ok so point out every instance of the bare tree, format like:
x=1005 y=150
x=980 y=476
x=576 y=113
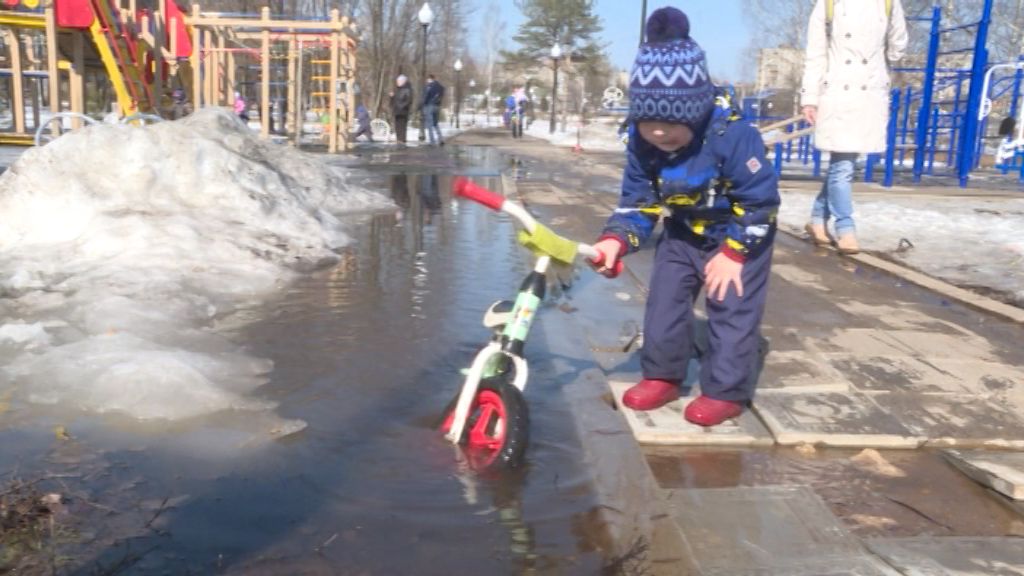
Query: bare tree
x=494 y=33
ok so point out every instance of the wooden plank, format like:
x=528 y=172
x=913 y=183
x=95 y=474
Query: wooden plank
x=322 y=38
x=265 y=76
x=224 y=96
x=18 y=98
x=781 y=124
x=298 y=98
x=51 y=63
x=292 y=88
x=267 y=24
x=77 y=77
x=332 y=106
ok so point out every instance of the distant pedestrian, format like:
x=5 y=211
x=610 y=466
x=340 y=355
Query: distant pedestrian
x=430 y=109
x=845 y=96
x=401 y=106
x=363 y=124
x=240 y=109
x=520 y=112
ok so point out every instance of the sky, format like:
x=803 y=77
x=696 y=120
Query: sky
x=718 y=26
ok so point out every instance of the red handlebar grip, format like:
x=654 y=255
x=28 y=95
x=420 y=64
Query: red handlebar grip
x=462 y=186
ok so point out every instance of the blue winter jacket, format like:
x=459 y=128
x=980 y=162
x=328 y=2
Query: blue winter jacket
x=721 y=187
x=433 y=94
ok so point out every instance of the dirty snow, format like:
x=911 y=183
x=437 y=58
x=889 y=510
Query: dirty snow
x=127 y=252
x=599 y=134
x=968 y=241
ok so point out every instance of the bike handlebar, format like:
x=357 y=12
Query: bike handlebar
x=462 y=186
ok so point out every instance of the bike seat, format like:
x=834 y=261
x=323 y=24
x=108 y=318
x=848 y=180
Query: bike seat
x=498 y=314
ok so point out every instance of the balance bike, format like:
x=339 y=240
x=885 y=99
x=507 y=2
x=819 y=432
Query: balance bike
x=488 y=419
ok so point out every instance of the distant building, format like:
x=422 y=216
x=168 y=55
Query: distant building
x=779 y=68
x=779 y=73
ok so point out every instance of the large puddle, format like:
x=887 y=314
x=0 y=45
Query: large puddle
x=366 y=353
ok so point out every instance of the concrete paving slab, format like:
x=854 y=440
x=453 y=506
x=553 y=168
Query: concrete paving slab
x=952 y=556
x=905 y=374
x=964 y=421
x=849 y=419
x=800 y=370
x=900 y=317
x=666 y=425
x=920 y=343
x=1001 y=471
x=800 y=276
x=770 y=530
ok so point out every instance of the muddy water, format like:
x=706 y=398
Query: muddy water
x=367 y=353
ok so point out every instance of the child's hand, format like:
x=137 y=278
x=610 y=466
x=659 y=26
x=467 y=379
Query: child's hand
x=609 y=265
x=719 y=273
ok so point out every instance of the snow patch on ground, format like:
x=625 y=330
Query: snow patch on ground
x=597 y=135
x=965 y=241
x=123 y=248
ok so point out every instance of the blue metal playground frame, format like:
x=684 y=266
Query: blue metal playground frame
x=949 y=126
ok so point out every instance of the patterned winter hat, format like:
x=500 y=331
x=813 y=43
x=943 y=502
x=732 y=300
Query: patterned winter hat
x=670 y=81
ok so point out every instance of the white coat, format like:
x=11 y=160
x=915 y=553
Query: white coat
x=847 y=78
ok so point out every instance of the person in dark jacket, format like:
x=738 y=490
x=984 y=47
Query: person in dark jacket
x=704 y=169
x=401 y=107
x=433 y=95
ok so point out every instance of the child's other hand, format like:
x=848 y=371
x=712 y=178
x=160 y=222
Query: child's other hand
x=609 y=266
x=719 y=273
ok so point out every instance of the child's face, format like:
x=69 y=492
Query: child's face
x=667 y=137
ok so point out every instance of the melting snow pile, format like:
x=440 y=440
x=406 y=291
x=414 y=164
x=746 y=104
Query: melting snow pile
x=967 y=241
x=121 y=249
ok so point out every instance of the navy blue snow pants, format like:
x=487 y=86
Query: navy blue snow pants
x=733 y=325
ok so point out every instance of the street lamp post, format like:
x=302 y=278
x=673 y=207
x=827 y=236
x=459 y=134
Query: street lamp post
x=487 y=106
x=426 y=16
x=472 y=93
x=556 y=53
x=458 y=91
x=643 y=21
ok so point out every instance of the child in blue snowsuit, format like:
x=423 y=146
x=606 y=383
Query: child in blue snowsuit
x=703 y=168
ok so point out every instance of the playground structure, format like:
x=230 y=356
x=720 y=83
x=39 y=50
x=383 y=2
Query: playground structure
x=160 y=61
x=281 y=52
x=938 y=125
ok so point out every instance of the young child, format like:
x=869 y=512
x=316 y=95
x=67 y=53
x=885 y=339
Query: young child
x=703 y=168
x=363 y=124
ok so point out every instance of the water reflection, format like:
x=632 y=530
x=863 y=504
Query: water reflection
x=363 y=352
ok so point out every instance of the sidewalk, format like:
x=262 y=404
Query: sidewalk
x=866 y=377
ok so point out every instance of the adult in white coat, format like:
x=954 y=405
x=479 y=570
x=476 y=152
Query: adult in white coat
x=845 y=95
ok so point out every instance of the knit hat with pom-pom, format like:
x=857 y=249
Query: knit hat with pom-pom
x=670 y=81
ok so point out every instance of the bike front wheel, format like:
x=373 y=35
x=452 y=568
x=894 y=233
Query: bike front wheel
x=497 y=427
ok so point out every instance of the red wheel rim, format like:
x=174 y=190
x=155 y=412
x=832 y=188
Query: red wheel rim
x=488 y=430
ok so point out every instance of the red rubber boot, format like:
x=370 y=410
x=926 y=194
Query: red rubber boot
x=706 y=411
x=651 y=393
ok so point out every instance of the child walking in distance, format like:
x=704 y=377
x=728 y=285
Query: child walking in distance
x=703 y=168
